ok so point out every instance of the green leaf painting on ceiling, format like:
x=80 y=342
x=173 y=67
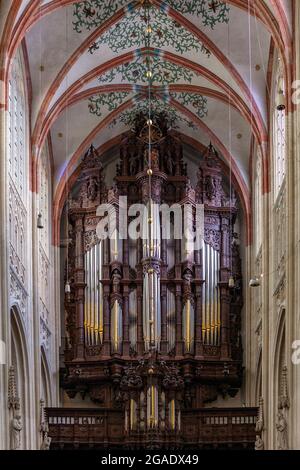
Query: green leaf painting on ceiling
x=195 y=100
x=211 y=11
x=90 y=14
x=158 y=107
x=130 y=32
x=109 y=101
x=163 y=71
x=159 y=103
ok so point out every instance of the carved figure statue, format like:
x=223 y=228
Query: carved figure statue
x=282 y=435
x=46 y=442
x=16 y=428
x=259 y=443
x=92 y=188
x=134 y=165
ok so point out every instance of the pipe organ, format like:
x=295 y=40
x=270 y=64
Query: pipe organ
x=153 y=325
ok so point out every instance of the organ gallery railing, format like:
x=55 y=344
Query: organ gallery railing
x=90 y=428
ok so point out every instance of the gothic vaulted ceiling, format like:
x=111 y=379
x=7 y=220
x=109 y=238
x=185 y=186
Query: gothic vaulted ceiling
x=209 y=60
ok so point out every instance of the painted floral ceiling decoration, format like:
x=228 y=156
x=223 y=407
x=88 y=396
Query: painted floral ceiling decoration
x=90 y=14
x=197 y=102
x=160 y=102
x=129 y=32
x=110 y=101
x=158 y=107
x=163 y=71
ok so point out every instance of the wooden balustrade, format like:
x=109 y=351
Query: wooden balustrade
x=72 y=428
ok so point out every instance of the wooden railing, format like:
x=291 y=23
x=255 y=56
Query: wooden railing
x=202 y=428
x=78 y=427
x=220 y=427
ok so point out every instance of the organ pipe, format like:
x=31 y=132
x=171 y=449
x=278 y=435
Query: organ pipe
x=151 y=279
x=133 y=319
x=151 y=310
x=93 y=308
x=152 y=407
x=171 y=320
x=188 y=326
x=211 y=317
x=116 y=247
x=152 y=231
x=116 y=327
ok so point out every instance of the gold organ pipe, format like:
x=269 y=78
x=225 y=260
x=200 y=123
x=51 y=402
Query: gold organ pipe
x=100 y=293
x=152 y=413
x=116 y=339
x=85 y=299
x=214 y=297
x=97 y=296
x=219 y=303
x=172 y=414
x=204 y=293
x=209 y=296
x=89 y=295
x=132 y=414
x=93 y=295
x=188 y=325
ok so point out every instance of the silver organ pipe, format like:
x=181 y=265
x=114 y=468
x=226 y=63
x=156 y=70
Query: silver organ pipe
x=151 y=281
x=171 y=320
x=116 y=247
x=151 y=232
x=93 y=307
x=151 y=310
x=133 y=319
x=211 y=319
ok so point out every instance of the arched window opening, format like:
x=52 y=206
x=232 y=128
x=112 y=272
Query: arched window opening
x=279 y=130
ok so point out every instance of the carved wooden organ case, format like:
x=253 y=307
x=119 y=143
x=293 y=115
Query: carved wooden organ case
x=153 y=336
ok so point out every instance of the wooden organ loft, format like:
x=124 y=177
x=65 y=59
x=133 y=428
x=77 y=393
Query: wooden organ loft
x=153 y=329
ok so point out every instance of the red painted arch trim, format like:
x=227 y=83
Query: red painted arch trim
x=283 y=21
x=185 y=23
x=6 y=35
x=189 y=26
x=66 y=98
x=238 y=104
x=13 y=36
x=258 y=9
